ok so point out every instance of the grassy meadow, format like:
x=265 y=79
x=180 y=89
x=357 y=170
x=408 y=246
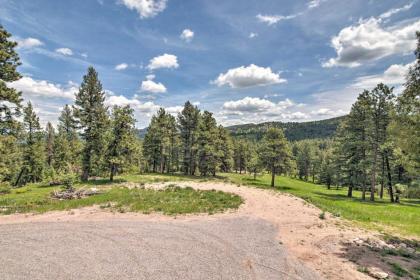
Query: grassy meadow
x=402 y=218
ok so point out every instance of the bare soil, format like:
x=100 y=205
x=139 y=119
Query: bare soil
x=310 y=241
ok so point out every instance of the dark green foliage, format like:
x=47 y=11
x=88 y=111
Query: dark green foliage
x=275 y=152
x=207 y=145
x=10 y=99
x=293 y=131
x=33 y=149
x=122 y=142
x=188 y=122
x=161 y=143
x=93 y=118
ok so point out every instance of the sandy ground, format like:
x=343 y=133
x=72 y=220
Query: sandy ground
x=271 y=236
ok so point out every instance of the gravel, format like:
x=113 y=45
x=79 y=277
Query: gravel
x=226 y=248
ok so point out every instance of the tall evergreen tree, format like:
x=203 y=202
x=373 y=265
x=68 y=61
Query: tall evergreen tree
x=122 y=139
x=224 y=148
x=406 y=125
x=207 y=145
x=92 y=115
x=49 y=143
x=33 y=149
x=381 y=98
x=188 y=121
x=10 y=98
x=275 y=152
x=67 y=145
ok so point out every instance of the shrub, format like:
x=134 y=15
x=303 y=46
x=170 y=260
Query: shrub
x=5 y=189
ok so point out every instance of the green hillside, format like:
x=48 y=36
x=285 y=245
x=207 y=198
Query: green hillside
x=294 y=131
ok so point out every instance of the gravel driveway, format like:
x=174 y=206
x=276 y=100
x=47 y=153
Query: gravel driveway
x=226 y=248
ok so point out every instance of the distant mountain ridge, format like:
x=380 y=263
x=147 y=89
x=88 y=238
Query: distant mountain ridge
x=293 y=131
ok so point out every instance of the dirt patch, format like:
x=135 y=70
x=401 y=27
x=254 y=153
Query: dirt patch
x=319 y=243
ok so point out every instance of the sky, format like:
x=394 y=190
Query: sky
x=245 y=61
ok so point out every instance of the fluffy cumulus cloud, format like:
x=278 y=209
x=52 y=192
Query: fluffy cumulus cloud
x=39 y=88
x=370 y=40
x=64 y=51
x=28 y=43
x=121 y=66
x=151 y=86
x=253 y=109
x=273 y=19
x=248 y=104
x=187 y=35
x=393 y=75
x=145 y=8
x=163 y=61
x=47 y=98
x=248 y=76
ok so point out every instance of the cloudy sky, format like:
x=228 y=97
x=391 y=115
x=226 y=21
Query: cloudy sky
x=246 y=61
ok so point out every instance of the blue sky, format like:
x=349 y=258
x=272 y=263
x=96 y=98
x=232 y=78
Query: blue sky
x=245 y=61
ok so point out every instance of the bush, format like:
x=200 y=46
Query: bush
x=413 y=190
x=5 y=189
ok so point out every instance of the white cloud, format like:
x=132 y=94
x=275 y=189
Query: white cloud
x=163 y=61
x=287 y=103
x=248 y=104
x=248 y=76
x=369 y=40
x=394 y=75
x=145 y=8
x=252 y=35
x=174 y=110
x=187 y=35
x=84 y=55
x=396 y=10
x=273 y=19
x=151 y=86
x=40 y=88
x=64 y=51
x=28 y=43
x=121 y=66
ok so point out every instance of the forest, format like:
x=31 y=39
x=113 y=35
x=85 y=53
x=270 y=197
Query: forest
x=375 y=148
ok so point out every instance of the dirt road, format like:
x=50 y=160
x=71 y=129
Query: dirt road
x=271 y=236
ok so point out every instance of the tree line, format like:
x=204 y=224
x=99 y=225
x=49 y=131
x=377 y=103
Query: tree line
x=375 y=147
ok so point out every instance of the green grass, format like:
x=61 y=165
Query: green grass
x=402 y=218
x=172 y=200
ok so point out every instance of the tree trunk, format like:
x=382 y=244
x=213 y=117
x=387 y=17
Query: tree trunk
x=255 y=174
x=364 y=186
x=273 y=175
x=350 y=190
x=381 y=192
x=111 y=175
x=85 y=175
x=373 y=176
x=391 y=193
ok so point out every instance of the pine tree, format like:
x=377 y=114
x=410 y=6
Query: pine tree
x=406 y=125
x=10 y=99
x=33 y=149
x=49 y=143
x=207 y=145
x=122 y=139
x=188 y=121
x=92 y=115
x=67 y=145
x=380 y=99
x=240 y=155
x=275 y=152
x=224 y=148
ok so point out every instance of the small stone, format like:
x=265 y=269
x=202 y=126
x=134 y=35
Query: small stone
x=377 y=273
